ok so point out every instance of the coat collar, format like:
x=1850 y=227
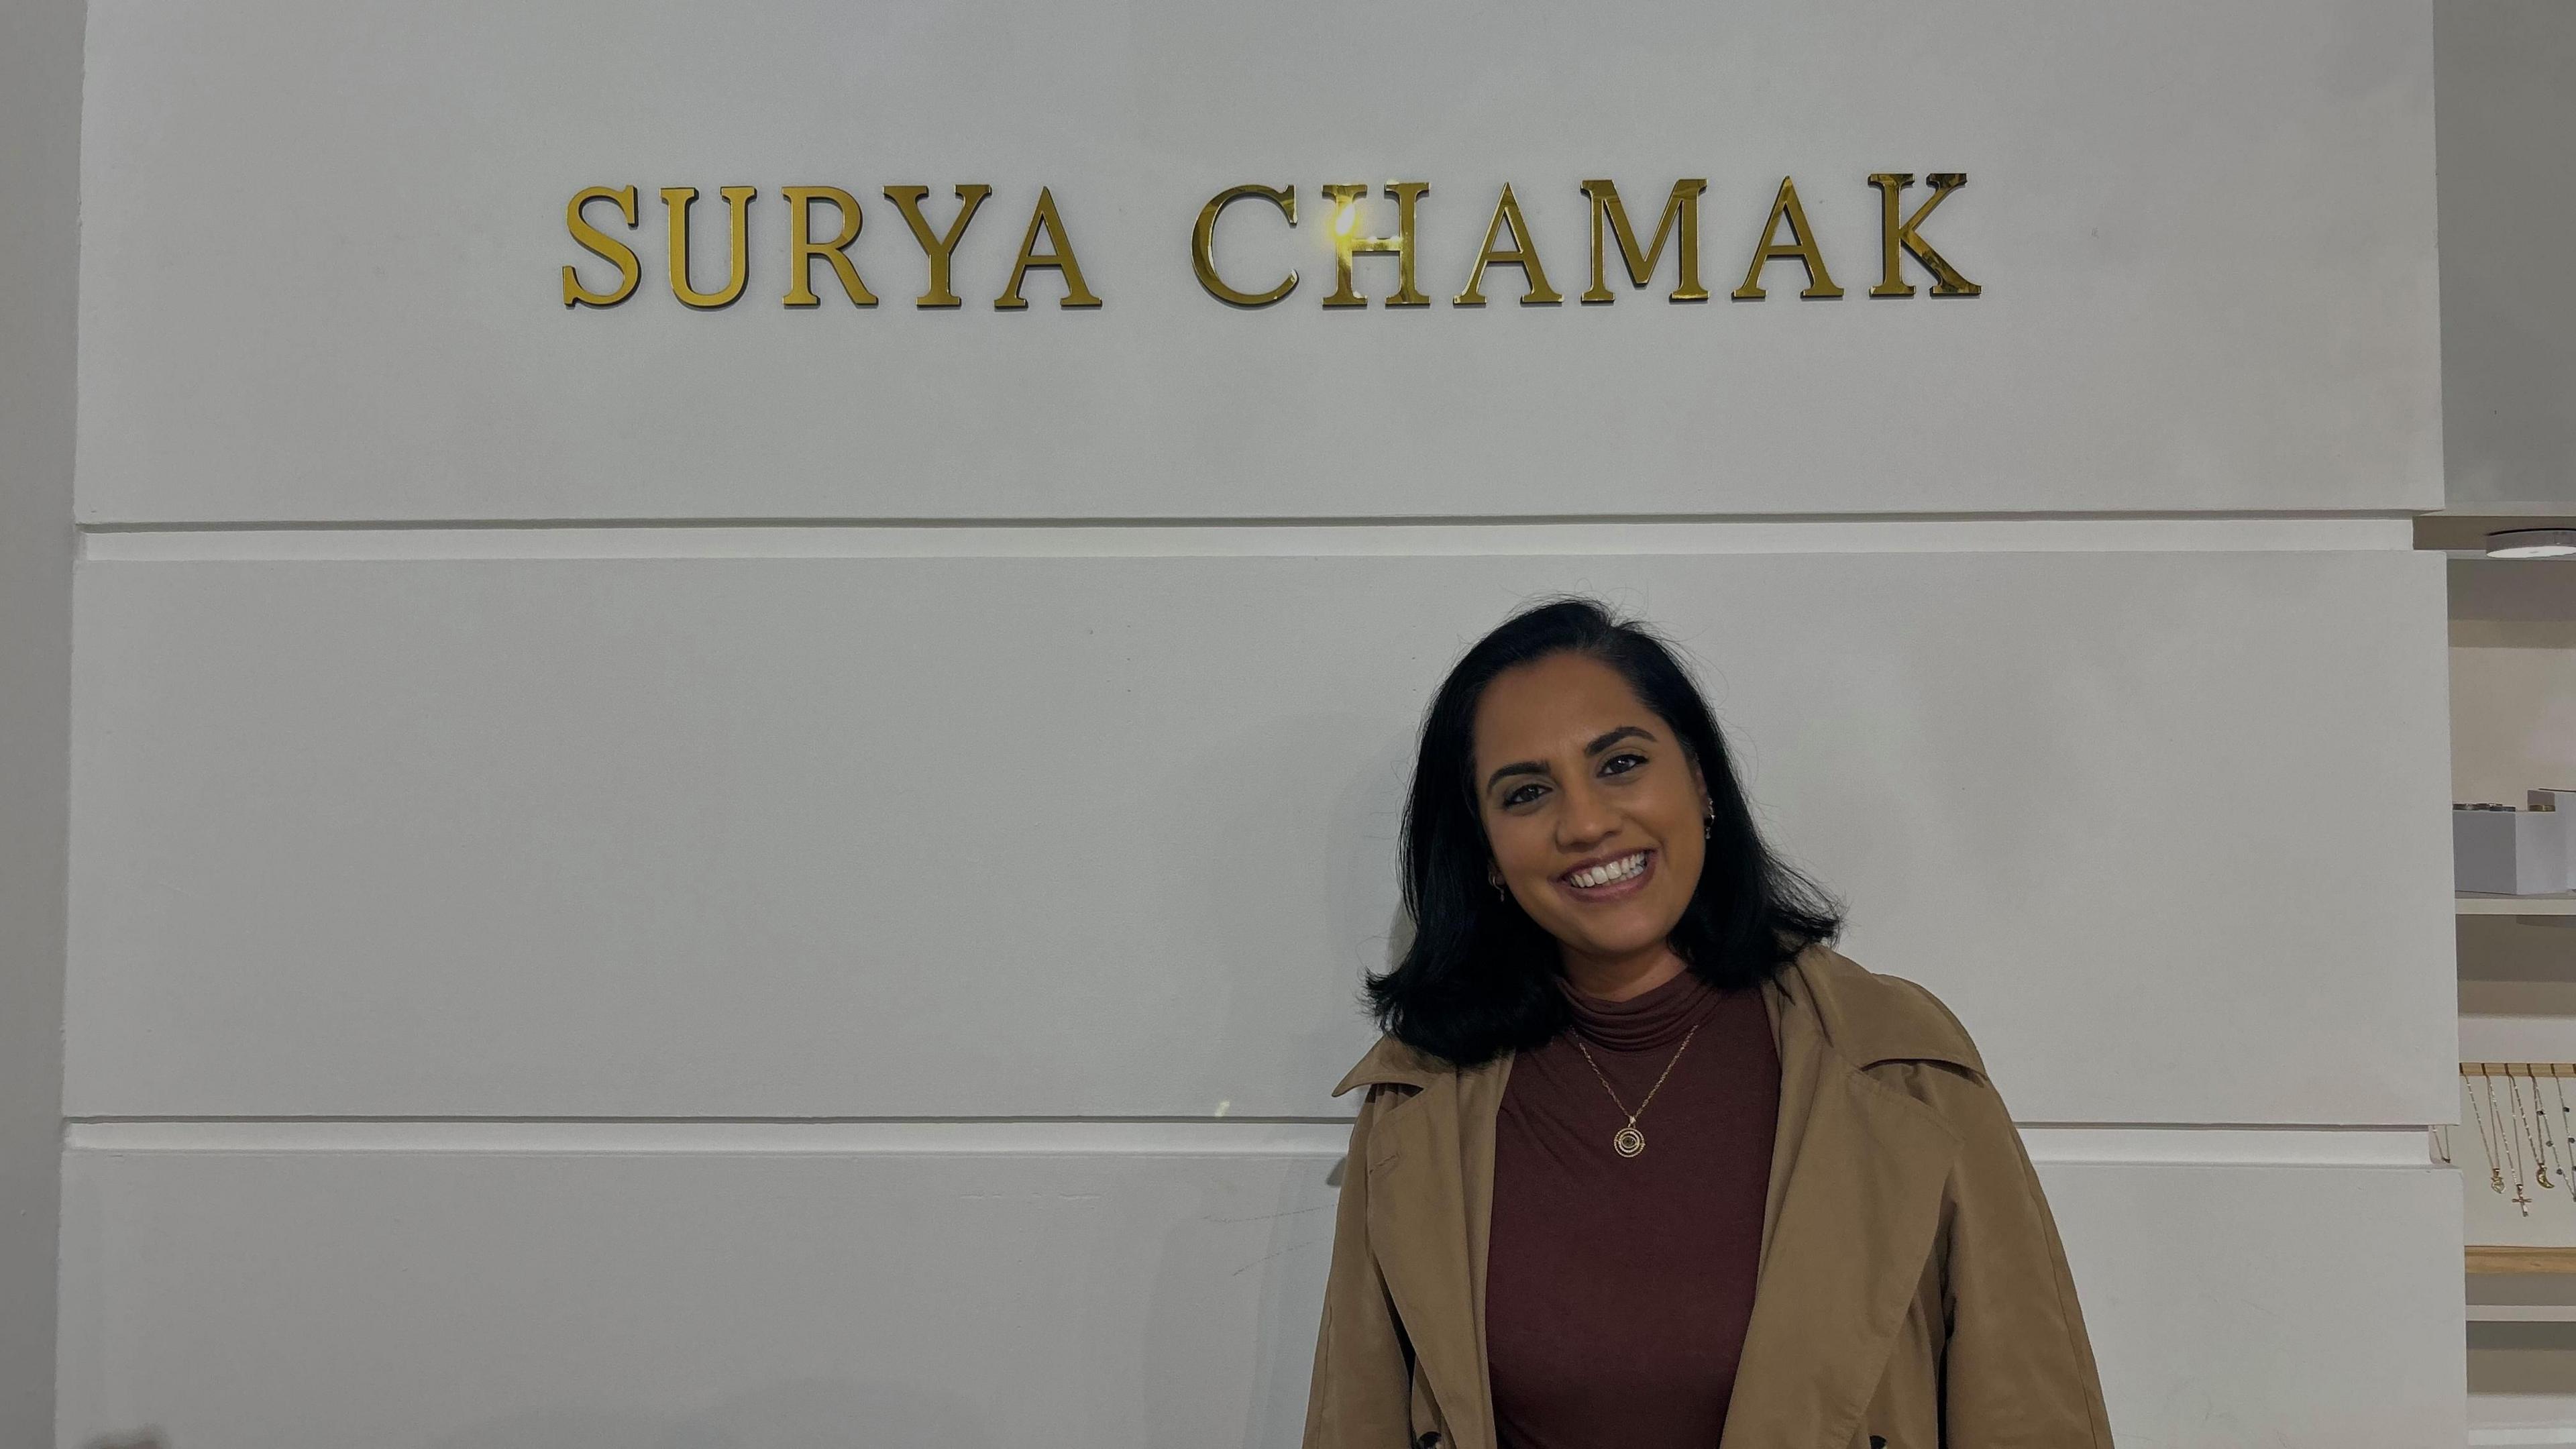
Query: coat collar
x=1393 y=1061
x=1865 y=1018
x=1856 y=1179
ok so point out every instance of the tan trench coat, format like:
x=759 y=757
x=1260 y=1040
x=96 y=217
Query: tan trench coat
x=1911 y=1291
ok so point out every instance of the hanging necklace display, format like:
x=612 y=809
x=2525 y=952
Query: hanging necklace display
x=2548 y=1137
x=2539 y=1168
x=2486 y=1138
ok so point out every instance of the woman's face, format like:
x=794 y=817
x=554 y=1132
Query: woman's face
x=1592 y=807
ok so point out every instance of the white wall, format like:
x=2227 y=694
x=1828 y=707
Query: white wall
x=504 y=1289
x=717 y=857
x=370 y=198
x=40 y=48
x=647 y=876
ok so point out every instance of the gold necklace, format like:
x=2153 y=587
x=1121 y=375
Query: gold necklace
x=2540 y=1119
x=2559 y=1086
x=2486 y=1139
x=2513 y=1147
x=2539 y=1167
x=1628 y=1141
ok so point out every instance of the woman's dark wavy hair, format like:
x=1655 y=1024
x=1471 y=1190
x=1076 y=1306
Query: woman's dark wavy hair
x=1479 y=976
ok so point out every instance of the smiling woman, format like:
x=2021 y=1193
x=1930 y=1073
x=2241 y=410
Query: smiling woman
x=1836 y=1237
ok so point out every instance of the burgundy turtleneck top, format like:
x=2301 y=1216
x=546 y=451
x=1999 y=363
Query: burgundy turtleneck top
x=1617 y=1289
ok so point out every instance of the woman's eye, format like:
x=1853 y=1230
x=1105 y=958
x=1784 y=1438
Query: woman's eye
x=1613 y=765
x=1521 y=796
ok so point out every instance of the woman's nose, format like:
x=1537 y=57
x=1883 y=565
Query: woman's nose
x=1586 y=817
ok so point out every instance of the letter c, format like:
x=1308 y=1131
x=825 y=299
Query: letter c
x=1203 y=245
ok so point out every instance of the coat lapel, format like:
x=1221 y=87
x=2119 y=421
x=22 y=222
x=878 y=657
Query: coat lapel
x=1431 y=1182
x=1857 y=1173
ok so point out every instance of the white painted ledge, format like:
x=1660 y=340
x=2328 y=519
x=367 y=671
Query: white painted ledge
x=940 y=538
x=2179 y=1144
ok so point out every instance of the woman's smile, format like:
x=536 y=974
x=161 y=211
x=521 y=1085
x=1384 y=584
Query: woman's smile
x=1610 y=879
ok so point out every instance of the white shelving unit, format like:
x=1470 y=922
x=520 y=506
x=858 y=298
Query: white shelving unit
x=2560 y=903
x=2513 y=694
x=2522 y=1312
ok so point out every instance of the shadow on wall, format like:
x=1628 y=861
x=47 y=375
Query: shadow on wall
x=1256 y=1241
x=809 y=1412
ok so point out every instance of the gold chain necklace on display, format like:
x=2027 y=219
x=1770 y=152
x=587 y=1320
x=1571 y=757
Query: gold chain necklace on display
x=2486 y=1139
x=1628 y=1141
x=2495 y=1153
x=2512 y=1146
x=2560 y=1087
x=2539 y=1168
x=2540 y=1119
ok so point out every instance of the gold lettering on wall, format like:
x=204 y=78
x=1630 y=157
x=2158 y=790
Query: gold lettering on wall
x=1522 y=254
x=1899 y=239
x=1680 y=219
x=1787 y=236
x=936 y=247
x=1804 y=251
x=802 y=249
x=1060 y=257
x=1203 y=244
x=600 y=244
x=1347 y=244
x=737 y=201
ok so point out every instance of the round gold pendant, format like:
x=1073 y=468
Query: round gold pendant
x=1630 y=1142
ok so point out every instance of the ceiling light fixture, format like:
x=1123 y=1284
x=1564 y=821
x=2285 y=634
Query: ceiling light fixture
x=2531 y=542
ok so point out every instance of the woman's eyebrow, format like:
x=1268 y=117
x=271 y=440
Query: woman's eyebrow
x=1615 y=736
x=1534 y=767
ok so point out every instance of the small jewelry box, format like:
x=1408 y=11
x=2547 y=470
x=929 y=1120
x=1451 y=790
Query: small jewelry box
x=2511 y=852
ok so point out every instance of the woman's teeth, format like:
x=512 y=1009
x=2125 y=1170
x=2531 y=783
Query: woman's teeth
x=1608 y=871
